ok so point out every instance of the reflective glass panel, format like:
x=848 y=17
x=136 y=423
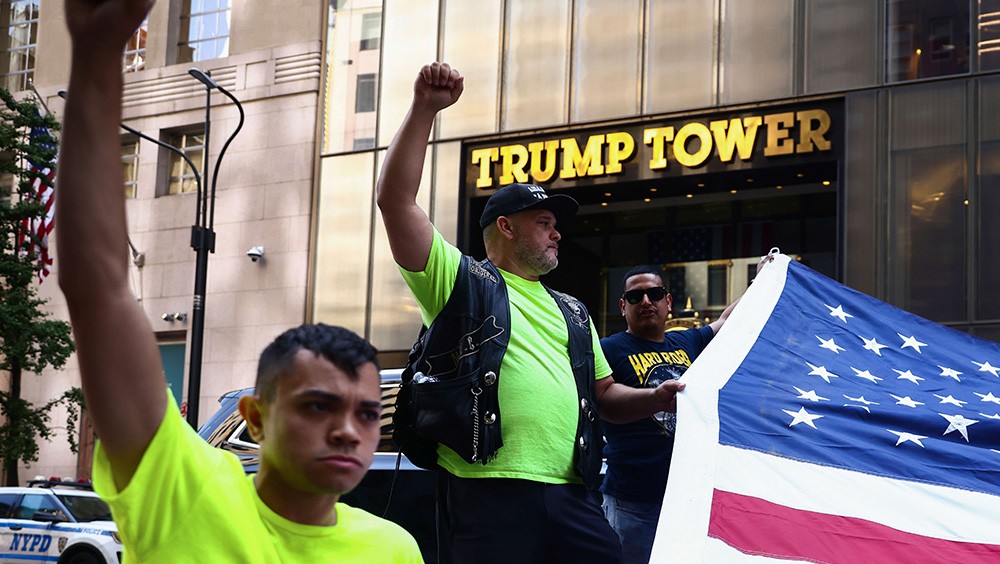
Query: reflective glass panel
x=472 y=45
x=928 y=187
x=410 y=41
x=680 y=55
x=344 y=221
x=350 y=54
x=926 y=38
x=535 y=87
x=989 y=34
x=606 y=65
x=987 y=202
x=841 y=45
x=757 y=50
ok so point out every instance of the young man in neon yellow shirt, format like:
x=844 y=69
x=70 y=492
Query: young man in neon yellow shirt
x=317 y=403
x=525 y=501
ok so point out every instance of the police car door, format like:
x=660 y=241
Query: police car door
x=25 y=539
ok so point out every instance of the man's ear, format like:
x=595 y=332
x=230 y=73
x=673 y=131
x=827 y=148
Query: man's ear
x=670 y=302
x=505 y=227
x=252 y=410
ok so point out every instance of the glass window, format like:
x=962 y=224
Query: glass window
x=344 y=221
x=403 y=53
x=32 y=503
x=534 y=89
x=680 y=55
x=130 y=164
x=371 y=30
x=757 y=50
x=989 y=34
x=7 y=504
x=472 y=45
x=928 y=187
x=987 y=200
x=601 y=59
x=364 y=93
x=134 y=56
x=204 y=30
x=841 y=48
x=862 y=193
x=362 y=143
x=346 y=61
x=22 y=37
x=926 y=38
x=192 y=144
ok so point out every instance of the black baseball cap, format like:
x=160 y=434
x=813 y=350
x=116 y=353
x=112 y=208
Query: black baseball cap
x=514 y=198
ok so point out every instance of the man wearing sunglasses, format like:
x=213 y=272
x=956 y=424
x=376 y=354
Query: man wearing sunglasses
x=638 y=449
x=523 y=360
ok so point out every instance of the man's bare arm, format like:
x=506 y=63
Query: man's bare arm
x=619 y=403
x=407 y=226
x=119 y=361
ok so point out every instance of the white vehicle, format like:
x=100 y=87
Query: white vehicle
x=61 y=522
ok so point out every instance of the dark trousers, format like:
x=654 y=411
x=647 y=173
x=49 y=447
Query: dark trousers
x=506 y=521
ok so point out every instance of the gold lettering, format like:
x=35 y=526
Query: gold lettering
x=484 y=158
x=696 y=159
x=513 y=160
x=540 y=172
x=658 y=137
x=620 y=148
x=587 y=163
x=740 y=135
x=809 y=138
x=779 y=141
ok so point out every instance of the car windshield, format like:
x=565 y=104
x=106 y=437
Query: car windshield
x=86 y=508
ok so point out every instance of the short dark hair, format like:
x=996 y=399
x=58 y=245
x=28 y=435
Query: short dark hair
x=343 y=347
x=642 y=269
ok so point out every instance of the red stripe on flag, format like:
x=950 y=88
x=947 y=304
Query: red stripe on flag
x=755 y=526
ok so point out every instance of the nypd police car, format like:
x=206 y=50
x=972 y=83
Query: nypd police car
x=62 y=522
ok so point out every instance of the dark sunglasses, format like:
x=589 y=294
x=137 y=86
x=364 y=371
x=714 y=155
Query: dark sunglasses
x=654 y=294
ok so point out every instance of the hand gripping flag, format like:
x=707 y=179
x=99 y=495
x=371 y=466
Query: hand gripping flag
x=822 y=425
x=34 y=233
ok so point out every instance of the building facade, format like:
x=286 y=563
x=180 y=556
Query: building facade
x=860 y=136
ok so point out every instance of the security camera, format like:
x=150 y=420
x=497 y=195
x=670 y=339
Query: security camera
x=255 y=253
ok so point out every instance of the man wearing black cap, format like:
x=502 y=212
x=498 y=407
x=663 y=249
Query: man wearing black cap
x=506 y=378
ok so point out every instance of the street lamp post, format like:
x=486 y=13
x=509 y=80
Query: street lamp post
x=202 y=232
x=203 y=243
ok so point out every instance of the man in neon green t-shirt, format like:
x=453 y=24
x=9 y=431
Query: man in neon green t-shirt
x=524 y=501
x=317 y=403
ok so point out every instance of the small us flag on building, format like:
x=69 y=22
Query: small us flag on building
x=33 y=238
x=822 y=425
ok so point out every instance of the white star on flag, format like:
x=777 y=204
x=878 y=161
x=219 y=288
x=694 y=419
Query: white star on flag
x=839 y=313
x=802 y=416
x=861 y=399
x=950 y=373
x=950 y=399
x=822 y=372
x=908 y=376
x=829 y=344
x=810 y=395
x=985 y=367
x=911 y=342
x=873 y=345
x=866 y=375
x=988 y=397
x=906 y=401
x=907 y=438
x=958 y=423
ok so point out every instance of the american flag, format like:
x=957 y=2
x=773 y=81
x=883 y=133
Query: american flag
x=822 y=425
x=33 y=238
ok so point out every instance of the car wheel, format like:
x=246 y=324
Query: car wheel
x=82 y=557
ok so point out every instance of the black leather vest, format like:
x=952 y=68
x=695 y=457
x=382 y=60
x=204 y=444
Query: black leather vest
x=449 y=387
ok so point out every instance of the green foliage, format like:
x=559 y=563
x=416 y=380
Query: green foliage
x=29 y=340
